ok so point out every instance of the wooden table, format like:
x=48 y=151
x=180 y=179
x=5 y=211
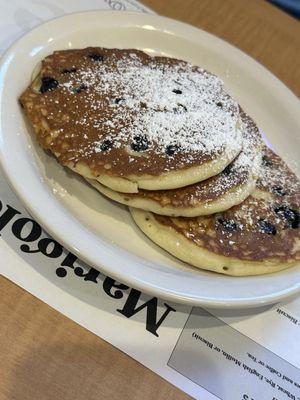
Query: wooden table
x=41 y=350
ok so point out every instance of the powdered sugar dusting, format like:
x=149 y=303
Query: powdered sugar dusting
x=245 y=167
x=277 y=187
x=172 y=104
x=250 y=158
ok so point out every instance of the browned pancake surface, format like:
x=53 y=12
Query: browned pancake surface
x=243 y=168
x=123 y=112
x=265 y=225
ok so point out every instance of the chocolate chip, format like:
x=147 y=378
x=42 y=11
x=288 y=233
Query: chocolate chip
x=292 y=217
x=68 y=71
x=278 y=190
x=219 y=104
x=48 y=84
x=79 y=89
x=119 y=100
x=266 y=227
x=140 y=143
x=172 y=149
x=227 y=170
x=96 y=57
x=177 y=91
x=228 y=224
x=106 y=145
x=179 y=109
x=266 y=162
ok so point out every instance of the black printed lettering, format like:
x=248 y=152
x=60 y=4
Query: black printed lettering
x=130 y=308
x=27 y=230
x=68 y=261
x=20 y=233
x=49 y=247
x=7 y=216
x=109 y=284
x=91 y=275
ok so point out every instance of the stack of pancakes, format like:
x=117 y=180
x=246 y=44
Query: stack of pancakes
x=166 y=139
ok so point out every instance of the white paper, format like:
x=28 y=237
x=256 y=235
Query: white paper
x=209 y=354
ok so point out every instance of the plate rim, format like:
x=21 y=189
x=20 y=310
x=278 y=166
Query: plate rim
x=136 y=282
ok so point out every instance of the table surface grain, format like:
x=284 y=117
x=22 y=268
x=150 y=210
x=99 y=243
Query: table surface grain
x=43 y=354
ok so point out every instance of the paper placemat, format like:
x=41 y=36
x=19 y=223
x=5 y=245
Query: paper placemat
x=209 y=354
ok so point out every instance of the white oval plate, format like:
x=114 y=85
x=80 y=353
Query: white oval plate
x=99 y=231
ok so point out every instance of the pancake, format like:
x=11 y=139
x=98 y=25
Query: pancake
x=133 y=121
x=216 y=194
x=261 y=235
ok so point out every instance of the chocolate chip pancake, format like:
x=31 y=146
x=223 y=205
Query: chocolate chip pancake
x=261 y=235
x=133 y=121
x=216 y=194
